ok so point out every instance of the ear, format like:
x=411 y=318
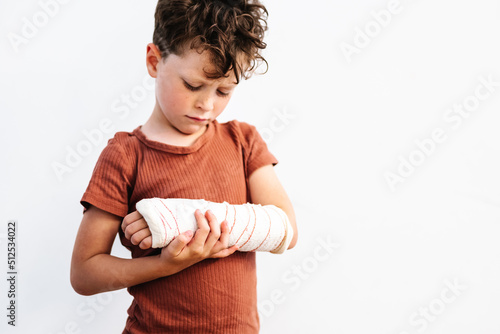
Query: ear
x=153 y=57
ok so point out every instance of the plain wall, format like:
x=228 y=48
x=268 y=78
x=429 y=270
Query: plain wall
x=379 y=112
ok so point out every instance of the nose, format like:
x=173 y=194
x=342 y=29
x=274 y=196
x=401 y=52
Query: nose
x=205 y=102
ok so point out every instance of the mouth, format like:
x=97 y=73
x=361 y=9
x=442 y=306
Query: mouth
x=198 y=119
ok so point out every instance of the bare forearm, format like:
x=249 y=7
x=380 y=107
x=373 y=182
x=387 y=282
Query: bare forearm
x=104 y=272
x=288 y=209
x=94 y=270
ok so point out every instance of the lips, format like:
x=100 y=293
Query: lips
x=198 y=119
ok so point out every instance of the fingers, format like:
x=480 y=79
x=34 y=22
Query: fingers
x=178 y=244
x=130 y=218
x=215 y=229
x=140 y=236
x=224 y=236
x=146 y=243
x=132 y=223
x=211 y=238
x=203 y=230
x=225 y=252
x=221 y=248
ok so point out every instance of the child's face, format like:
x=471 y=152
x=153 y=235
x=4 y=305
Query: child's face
x=186 y=99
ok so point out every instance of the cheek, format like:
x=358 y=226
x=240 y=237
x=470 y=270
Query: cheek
x=171 y=98
x=221 y=104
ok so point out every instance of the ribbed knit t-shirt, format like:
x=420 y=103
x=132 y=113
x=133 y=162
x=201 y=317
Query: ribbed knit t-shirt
x=214 y=295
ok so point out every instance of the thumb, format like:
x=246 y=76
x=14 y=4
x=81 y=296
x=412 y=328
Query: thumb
x=178 y=244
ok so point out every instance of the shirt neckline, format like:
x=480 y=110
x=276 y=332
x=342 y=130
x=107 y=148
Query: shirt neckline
x=202 y=140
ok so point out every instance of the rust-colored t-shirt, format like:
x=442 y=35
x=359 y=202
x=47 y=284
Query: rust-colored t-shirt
x=214 y=295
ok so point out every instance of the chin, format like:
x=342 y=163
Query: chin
x=191 y=129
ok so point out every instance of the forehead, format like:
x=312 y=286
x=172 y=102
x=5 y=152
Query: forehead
x=194 y=63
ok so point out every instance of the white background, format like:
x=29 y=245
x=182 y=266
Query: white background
x=394 y=252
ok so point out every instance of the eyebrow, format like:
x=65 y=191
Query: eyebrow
x=197 y=79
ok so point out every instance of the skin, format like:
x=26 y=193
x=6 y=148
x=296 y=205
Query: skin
x=182 y=91
x=265 y=188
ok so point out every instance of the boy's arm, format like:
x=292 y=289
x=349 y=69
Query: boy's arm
x=94 y=270
x=265 y=188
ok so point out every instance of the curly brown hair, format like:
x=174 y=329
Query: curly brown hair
x=232 y=31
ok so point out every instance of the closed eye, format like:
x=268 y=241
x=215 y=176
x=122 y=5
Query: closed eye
x=223 y=94
x=194 y=89
x=191 y=88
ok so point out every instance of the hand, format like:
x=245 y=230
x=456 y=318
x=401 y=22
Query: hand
x=136 y=230
x=210 y=240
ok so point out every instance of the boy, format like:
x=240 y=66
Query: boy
x=197 y=284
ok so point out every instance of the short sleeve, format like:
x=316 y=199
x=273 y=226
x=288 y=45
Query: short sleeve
x=111 y=182
x=256 y=152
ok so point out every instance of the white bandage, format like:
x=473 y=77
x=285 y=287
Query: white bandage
x=253 y=227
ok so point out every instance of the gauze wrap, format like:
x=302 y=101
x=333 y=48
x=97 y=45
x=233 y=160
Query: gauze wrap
x=253 y=227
